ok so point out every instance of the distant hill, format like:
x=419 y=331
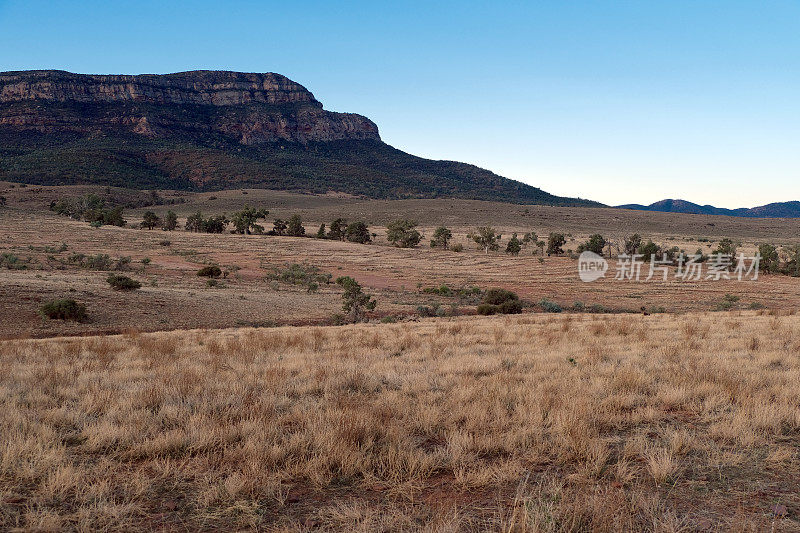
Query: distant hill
x=774 y=210
x=210 y=130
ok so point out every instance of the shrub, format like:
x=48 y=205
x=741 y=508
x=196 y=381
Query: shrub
x=458 y=247
x=97 y=262
x=119 y=282
x=11 y=261
x=66 y=309
x=297 y=274
x=500 y=301
x=549 y=306
x=165 y=243
x=499 y=296
x=210 y=271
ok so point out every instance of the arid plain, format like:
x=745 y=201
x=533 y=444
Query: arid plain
x=245 y=409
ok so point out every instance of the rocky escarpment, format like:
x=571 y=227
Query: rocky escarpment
x=252 y=108
x=209 y=130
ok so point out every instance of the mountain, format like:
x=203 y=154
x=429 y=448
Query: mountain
x=774 y=210
x=207 y=130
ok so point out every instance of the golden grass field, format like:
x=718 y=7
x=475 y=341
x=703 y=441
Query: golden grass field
x=525 y=423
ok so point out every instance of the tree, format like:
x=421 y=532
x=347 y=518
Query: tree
x=403 y=233
x=632 y=244
x=321 y=232
x=726 y=247
x=279 y=227
x=356 y=303
x=791 y=256
x=358 y=232
x=170 y=221
x=514 y=245
x=441 y=237
x=295 y=227
x=595 y=244
x=769 y=258
x=486 y=238
x=245 y=221
x=530 y=237
x=215 y=224
x=555 y=243
x=649 y=250
x=338 y=228
x=150 y=220
x=3 y=201
x=194 y=222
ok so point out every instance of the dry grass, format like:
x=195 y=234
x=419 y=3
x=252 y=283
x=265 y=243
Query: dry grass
x=530 y=423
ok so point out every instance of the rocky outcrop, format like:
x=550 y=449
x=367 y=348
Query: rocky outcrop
x=252 y=108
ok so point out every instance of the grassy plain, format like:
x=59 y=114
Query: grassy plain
x=525 y=423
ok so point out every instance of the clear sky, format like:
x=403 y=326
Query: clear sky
x=615 y=101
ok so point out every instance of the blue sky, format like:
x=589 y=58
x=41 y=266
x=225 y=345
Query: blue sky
x=614 y=101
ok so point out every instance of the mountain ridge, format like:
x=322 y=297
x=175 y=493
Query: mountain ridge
x=205 y=130
x=790 y=209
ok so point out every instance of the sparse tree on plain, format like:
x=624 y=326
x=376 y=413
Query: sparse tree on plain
x=279 y=227
x=441 y=238
x=150 y=220
x=245 y=222
x=486 y=238
x=170 y=221
x=338 y=228
x=321 y=232
x=595 y=244
x=356 y=302
x=295 y=227
x=403 y=233
x=632 y=244
x=769 y=258
x=555 y=244
x=358 y=232
x=514 y=245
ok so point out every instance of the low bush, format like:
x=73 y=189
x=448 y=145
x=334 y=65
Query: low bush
x=549 y=306
x=211 y=271
x=66 y=309
x=499 y=296
x=500 y=302
x=122 y=283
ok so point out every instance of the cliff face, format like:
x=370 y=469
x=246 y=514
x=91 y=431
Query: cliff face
x=252 y=108
x=215 y=130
